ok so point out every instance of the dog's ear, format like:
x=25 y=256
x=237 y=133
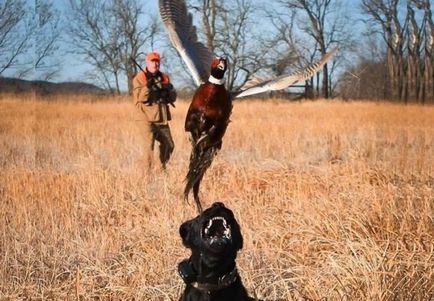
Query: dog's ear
x=236 y=231
x=237 y=235
x=186 y=231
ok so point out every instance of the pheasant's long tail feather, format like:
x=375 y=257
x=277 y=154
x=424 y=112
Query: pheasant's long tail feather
x=200 y=160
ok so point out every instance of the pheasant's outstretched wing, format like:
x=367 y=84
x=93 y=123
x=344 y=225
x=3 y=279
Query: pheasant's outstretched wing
x=283 y=81
x=182 y=34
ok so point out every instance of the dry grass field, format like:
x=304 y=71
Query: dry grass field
x=335 y=200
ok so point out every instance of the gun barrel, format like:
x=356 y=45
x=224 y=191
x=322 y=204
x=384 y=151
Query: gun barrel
x=137 y=64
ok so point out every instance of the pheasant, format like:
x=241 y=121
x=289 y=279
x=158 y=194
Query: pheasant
x=208 y=115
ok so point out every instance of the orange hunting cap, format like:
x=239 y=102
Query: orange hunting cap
x=153 y=56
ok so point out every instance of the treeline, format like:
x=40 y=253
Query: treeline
x=404 y=69
x=385 y=46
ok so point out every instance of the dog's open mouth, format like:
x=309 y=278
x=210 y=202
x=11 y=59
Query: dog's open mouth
x=216 y=231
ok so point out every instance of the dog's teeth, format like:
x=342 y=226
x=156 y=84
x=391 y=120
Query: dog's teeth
x=215 y=218
x=209 y=224
x=227 y=233
x=227 y=229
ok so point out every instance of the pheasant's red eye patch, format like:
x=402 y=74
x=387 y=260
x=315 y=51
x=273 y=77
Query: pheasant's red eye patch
x=215 y=62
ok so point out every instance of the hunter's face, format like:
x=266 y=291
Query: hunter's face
x=153 y=66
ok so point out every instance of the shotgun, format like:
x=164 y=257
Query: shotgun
x=137 y=64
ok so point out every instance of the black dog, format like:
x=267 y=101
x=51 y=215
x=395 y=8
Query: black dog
x=210 y=273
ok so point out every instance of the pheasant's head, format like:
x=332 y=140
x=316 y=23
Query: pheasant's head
x=219 y=66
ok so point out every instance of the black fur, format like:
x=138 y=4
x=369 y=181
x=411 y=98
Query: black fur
x=213 y=254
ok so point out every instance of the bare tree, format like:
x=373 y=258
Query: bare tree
x=288 y=47
x=209 y=10
x=93 y=37
x=46 y=38
x=326 y=27
x=402 y=51
x=29 y=37
x=14 y=33
x=385 y=14
x=366 y=75
x=236 y=41
x=284 y=41
x=227 y=27
x=132 y=36
x=43 y=32
x=317 y=12
x=108 y=34
x=364 y=80
x=413 y=56
x=427 y=90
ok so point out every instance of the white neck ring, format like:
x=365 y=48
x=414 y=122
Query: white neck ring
x=216 y=81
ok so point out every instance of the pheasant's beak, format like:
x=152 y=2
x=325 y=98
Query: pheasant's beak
x=221 y=65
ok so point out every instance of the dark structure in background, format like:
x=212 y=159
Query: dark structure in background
x=39 y=87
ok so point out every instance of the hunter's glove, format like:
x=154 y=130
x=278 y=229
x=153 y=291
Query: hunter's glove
x=154 y=95
x=168 y=94
x=154 y=87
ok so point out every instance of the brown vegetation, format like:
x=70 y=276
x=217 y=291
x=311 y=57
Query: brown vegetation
x=335 y=201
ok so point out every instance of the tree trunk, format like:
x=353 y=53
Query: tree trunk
x=325 y=82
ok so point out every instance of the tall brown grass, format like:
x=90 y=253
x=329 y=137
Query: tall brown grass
x=335 y=200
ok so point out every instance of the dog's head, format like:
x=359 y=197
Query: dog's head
x=215 y=231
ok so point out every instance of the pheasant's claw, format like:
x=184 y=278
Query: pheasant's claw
x=202 y=138
x=186 y=198
x=199 y=207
